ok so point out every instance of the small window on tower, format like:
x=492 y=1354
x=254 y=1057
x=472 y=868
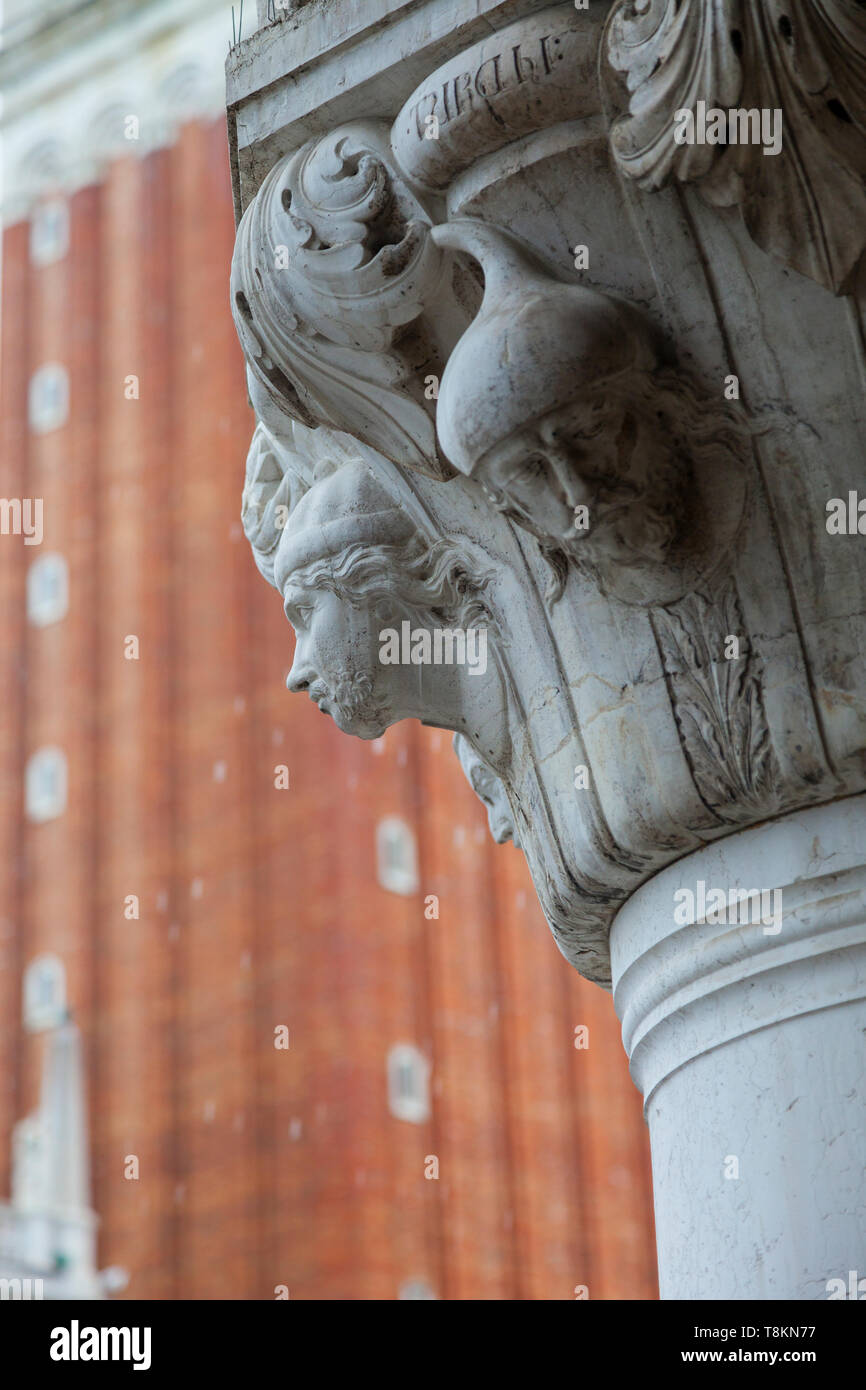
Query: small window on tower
x=44 y=993
x=396 y=856
x=47 y=590
x=49 y=231
x=45 y=784
x=416 y=1289
x=408 y=1084
x=48 y=398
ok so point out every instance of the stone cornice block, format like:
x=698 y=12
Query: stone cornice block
x=325 y=64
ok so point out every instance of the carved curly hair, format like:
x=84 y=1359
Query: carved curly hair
x=430 y=578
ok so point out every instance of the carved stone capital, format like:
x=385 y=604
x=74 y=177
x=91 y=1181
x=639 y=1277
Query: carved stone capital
x=468 y=435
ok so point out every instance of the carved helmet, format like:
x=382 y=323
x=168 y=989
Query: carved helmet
x=536 y=343
x=349 y=507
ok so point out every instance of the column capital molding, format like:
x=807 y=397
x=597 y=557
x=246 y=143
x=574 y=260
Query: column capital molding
x=588 y=457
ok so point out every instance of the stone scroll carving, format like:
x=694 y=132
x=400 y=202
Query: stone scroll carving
x=803 y=61
x=525 y=77
x=459 y=441
x=333 y=263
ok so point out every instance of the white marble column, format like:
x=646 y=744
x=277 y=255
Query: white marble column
x=748 y=1041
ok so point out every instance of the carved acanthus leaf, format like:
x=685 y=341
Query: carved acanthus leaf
x=718 y=704
x=807 y=58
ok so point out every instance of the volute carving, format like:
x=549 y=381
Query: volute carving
x=805 y=204
x=333 y=262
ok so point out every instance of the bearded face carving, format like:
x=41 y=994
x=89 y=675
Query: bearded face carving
x=335 y=658
x=594 y=480
x=353 y=567
x=559 y=403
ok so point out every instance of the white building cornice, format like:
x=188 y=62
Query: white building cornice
x=71 y=82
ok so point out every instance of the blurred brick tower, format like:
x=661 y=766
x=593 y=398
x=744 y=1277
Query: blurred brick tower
x=197 y=910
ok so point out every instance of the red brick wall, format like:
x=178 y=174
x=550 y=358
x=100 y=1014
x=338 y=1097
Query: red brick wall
x=262 y=907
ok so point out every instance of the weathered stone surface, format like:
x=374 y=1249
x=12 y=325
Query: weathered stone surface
x=655 y=633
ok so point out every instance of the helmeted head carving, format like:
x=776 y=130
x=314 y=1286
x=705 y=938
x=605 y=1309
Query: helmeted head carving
x=274 y=484
x=352 y=564
x=550 y=402
x=283 y=463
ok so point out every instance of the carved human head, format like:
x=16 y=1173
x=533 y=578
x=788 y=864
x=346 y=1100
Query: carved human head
x=352 y=567
x=547 y=401
x=489 y=789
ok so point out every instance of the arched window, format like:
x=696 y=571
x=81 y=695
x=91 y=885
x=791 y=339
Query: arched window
x=47 y=590
x=396 y=856
x=408 y=1083
x=45 y=784
x=49 y=231
x=48 y=398
x=415 y=1289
